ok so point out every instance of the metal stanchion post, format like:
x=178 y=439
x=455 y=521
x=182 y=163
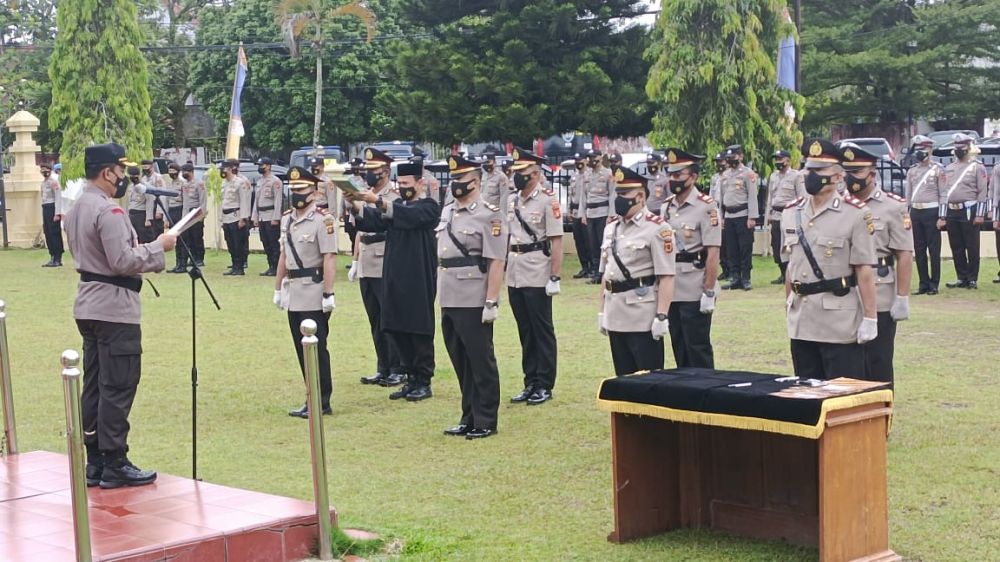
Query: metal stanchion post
x=6 y=392
x=317 y=442
x=74 y=438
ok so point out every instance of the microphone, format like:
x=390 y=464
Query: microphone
x=143 y=190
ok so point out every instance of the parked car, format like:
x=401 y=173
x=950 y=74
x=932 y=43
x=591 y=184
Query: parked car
x=397 y=150
x=944 y=137
x=248 y=169
x=331 y=152
x=891 y=173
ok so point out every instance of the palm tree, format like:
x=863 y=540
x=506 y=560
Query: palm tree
x=299 y=18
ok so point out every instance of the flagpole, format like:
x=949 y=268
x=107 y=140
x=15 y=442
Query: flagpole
x=232 y=139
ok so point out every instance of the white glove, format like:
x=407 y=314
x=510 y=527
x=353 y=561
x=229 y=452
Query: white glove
x=352 y=274
x=868 y=330
x=601 y=326
x=329 y=304
x=277 y=299
x=660 y=328
x=490 y=314
x=707 y=304
x=900 y=308
x=552 y=288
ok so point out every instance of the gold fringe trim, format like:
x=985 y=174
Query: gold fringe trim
x=749 y=423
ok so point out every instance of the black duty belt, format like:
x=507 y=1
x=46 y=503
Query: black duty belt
x=131 y=283
x=271 y=208
x=533 y=247
x=574 y=206
x=622 y=286
x=597 y=205
x=373 y=238
x=697 y=258
x=315 y=272
x=777 y=209
x=230 y=211
x=883 y=264
x=839 y=286
x=464 y=261
x=738 y=208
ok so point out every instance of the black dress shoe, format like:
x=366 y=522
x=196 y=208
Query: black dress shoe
x=460 y=429
x=594 y=281
x=269 y=273
x=955 y=285
x=922 y=291
x=581 y=274
x=539 y=396
x=747 y=286
x=779 y=281
x=392 y=379
x=121 y=472
x=932 y=291
x=480 y=433
x=302 y=412
x=422 y=392
x=724 y=276
x=236 y=271
x=50 y=263
x=178 y=269
x=58 y=263
x=524 y=395
x=734 y=283
x=997 y=278
x=374 y=379
x=402 y=392
x=972 y=285
x=94 y=471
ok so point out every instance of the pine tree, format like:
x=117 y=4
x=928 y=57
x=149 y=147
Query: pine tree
x=714 y=78
x=99 y=81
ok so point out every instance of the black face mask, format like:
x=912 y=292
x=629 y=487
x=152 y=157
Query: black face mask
x=147 y=171
x=961 y=153
x=521 y=181
x=623 y=205
x=223 y=173
x=407 y=193
x=678 y=186
x=173 y=175
x=653 y=168
x=921 y=155
x=720 y=168
x=300 y=200
x=815 y=182
x=733 y=163
x=460 y=189
x=135 y=179
x=855 y=185
x=579 y=166
x=188 y=176
x=261 y=170
x=593 y=163
x=121 y=184
x=781 y=165
x=489 y=167
x=371 y=178
x=45 y=174
x=316 y=172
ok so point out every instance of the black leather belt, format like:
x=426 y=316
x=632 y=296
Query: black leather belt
x=130 y=283
x=738 y=208
x=464 y=261
x=271 y=208
x=697 y=258
x=597 y=205
x=573 y=206
x=230 y=211
x=373 y=238
x=883 y=264
x=533 y=247
x=315 y=272
x=839 y=286
x=776 y=209
x=622 y=286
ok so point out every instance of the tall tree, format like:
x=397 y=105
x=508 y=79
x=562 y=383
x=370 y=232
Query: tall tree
x=99 y=81
x=714 y=78
x=517 y=70
x=305 y=18
x=27 y=29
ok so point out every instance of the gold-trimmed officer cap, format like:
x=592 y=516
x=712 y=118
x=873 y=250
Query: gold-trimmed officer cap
x=627 y=179
x=459 y=165
x=525 y=158
x=97 y=155
x=854 y=157
x=375 y=158
x=679 y=159
x=821 y=153
x=300 y=178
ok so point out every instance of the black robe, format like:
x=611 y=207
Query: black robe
x=409 y=271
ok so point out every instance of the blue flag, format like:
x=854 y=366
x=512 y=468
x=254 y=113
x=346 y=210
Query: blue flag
x=786 y=59
x=235 y=117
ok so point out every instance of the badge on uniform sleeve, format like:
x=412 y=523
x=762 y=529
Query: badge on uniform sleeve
x=495 y=227
x=330 y=222
x=556 y=212
x=907 y=224
x=713 y=215
x=668 y=240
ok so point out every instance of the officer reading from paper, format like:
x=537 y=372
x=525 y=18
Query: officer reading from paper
x=108 y=310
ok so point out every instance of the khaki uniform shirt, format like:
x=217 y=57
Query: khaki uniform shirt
x=576 y=187
x=659 y=190
x=892 y=233
x=995 y=188
x=645 y=245
x=495 y=188
x=967 y=187
x=269 y=193
x=840 y=234
x=103 y=241
x=195 y=196
x=371 y=256
x=696 y=226
x=174 y=184
x=479 y=227
x=541 y=212
x=782 y=189
x=155 y=181
x=925 y=187
x=715 y=187
x=236 y=194
x=598 y=193
x=52 y=193
x=738 y=186
x=137 y=202
x=313 y=234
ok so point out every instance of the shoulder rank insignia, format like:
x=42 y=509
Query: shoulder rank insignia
x=657 y=219
x=667 y=236
x=556 y=211
x=855 y=202
x=288 y=212
x=706 y=198
x=495 y=227
x=796 y=203
x=491 y=206
x=895 y=197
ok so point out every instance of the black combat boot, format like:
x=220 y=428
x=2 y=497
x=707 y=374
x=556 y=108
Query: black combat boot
x=119 y=471
x=95 y=465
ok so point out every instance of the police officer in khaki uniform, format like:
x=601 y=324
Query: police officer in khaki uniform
x=366 y=267
x=534 y=262
x=140 y=207
x=496 y=186
x=894 y=250
x=830 y=282
x=236 y=209
x=307 y=266
x=326 y=192
x=152 y=178
x=175 y=211
x=659 y=183
x=995 y=188
x=266 y=214
x=967 y=197
x=926 y=193
x=738 y=198
x=471 y=245
x=715 y=192
x=637 y=267
x=195 y=197
x=595 y=205
x=694 y=218
x=52 y=215
x=783 y=186
x=576 y=187
x=108 y=312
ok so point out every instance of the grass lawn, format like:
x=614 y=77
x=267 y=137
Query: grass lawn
x=540 y=489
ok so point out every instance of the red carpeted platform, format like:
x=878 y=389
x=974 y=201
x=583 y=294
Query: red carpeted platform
x=175 y=519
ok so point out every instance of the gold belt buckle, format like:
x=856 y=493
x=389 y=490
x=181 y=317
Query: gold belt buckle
x=796 y=287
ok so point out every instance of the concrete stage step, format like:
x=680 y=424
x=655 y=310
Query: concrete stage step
x=175 y=519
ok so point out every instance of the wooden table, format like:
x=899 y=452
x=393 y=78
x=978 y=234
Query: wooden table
x=826 y=490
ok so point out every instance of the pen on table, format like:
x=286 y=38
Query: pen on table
x=739 y=384
x=786 y=379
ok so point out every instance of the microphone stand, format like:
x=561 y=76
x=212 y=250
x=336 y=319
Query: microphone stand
x=195 y=273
